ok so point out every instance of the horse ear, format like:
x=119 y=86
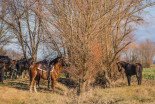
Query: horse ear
x=59 y=59
x=59 y=56
x=117 y=62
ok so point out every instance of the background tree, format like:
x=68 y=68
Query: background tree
x=4 y=39
x=24 y=24
x=142 y=53
x=147 y=52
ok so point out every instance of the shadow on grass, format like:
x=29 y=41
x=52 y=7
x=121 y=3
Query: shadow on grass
x=19 y=85
x=43 y=88
x=68 y=82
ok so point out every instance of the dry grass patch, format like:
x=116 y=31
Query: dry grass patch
x=17 y=92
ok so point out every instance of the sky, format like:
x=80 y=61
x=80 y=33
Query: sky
x=147 y=29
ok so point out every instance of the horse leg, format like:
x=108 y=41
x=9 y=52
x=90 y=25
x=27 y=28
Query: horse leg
x=35 y=89
x=22 y=74
x=123 y=76
x=25 y=73
x=32 y=78
x=2 y=78
x=5 y=74
x=11 y=75
x=31 y=85
x=49 y=80
x=1 y=75
x=129 y=79
x=54 y=83
x=122 y=72
x=138 y=79
x=38 y=81
x=48 y=84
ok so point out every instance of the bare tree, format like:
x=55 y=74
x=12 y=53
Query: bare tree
x=76 y=26
x=91 y=33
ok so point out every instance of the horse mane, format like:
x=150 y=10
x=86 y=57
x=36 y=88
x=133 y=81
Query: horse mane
x=139 y=64
x=123 y=63
x=54 y=61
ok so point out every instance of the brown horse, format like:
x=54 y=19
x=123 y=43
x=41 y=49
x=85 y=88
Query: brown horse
x=52 y=71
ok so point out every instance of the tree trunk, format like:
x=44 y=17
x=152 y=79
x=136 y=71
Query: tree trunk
x=81 y=86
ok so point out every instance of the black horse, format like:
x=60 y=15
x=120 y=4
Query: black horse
x=131 y=69
x=23 y=65
x=1 y=70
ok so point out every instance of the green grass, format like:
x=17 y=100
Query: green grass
x=149 y=73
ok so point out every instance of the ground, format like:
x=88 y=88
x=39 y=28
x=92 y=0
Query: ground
x=17 y=92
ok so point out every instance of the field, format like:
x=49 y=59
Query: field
x=17 y=92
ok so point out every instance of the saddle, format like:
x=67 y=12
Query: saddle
x=46 y=68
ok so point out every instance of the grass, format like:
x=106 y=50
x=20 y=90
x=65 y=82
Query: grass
x=134 y=94
x=17 y=92
x=149 y=73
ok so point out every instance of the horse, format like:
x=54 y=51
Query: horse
x=46 y=64
x=13 y=69
x=23 y=65
x=51 y=71
x=8 y=65
x=131 y=69
x=2 y=69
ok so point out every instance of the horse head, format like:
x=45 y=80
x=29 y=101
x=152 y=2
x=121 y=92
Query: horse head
x=119 y=66
x=63 y=62
x=30 y=61
x=12 y=64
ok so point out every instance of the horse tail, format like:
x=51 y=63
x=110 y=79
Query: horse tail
x=30 y=72
x=140 y=70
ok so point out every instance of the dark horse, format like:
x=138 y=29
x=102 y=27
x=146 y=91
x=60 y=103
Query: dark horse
x=5 y=68
x=23 y=65
x=131 y=69
x=2 y=69
x=8 y=65
x=51 y=71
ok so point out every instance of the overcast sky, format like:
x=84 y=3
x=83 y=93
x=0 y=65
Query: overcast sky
x=147 y=30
